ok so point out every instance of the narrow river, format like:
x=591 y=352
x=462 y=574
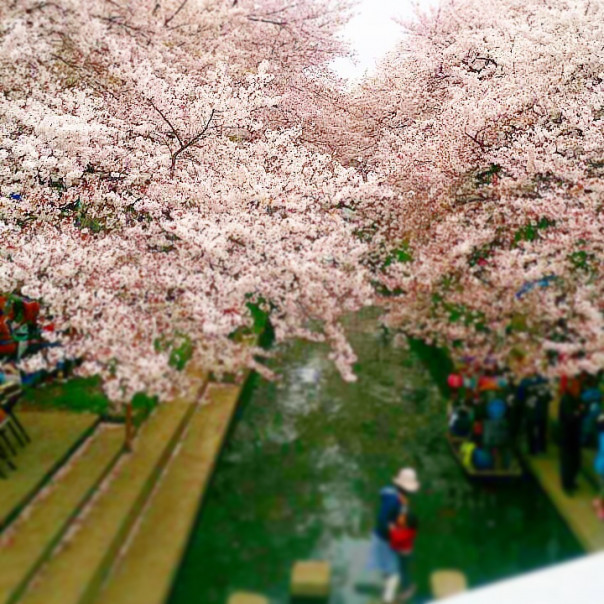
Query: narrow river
x=300 y=475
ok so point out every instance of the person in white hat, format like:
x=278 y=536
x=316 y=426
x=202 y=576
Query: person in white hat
x=407 y=480
x=394 y=501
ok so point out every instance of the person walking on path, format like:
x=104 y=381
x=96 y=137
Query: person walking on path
x=536 y=396
x=599 y=468
x=394 y=501
x=570 y=421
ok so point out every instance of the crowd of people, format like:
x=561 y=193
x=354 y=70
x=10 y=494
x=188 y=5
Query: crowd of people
x=491 y=415
x=20 y=336
x=18 y=325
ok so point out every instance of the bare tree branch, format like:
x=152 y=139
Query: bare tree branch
x=183 y=146
x=180 y=7
x=475 y=138
x=265 y=20
x=161 y=113
x=195 y=139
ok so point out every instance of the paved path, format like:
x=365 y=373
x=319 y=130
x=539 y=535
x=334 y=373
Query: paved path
x=577 y=509
x=29 y=542
x=113 y=528
x=154 y=553
x=54 y=434
x=74 y=574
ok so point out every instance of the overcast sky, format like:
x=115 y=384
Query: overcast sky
x=372 y=32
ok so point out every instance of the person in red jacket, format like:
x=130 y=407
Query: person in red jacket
x=402 y=540
x=8 y=347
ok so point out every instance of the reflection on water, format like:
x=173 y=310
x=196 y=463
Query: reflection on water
x=300 y=475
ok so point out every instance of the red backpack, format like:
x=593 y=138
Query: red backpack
x=402 y=539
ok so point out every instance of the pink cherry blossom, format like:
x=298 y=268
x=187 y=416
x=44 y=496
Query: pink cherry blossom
x=488 y=123
x=162 y=184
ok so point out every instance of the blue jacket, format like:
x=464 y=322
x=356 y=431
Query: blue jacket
x=599 y=461
x=390 y=509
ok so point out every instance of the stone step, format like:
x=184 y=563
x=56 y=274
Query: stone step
x=247 y=598
x=146 y=571
x=311 y=579
x=447 y=583
x=28 y=543
x=75 y=573
x=55 y=435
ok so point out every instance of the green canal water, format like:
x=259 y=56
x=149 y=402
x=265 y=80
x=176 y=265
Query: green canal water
x=300 y=475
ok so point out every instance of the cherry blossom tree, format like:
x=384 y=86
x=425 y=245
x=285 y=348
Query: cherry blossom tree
x=487 y=122
x=171 y=166
x=155 y=186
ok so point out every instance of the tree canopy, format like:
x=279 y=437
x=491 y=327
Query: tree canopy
x=169 y=168
x=488 y=123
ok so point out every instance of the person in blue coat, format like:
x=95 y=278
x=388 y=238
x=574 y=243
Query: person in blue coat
x=394 y=501
x=592 y=398
x=599 y=467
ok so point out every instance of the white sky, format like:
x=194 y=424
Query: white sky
x=372 y=33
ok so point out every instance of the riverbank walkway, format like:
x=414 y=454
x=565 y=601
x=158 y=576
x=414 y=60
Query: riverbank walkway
x=31 y=539
x=148 y=566
x=54 y=436
x=113 y=525
x=576 y=509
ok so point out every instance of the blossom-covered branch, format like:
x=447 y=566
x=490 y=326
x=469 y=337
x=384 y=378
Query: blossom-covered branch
x=136 y=238
x=488 y=123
